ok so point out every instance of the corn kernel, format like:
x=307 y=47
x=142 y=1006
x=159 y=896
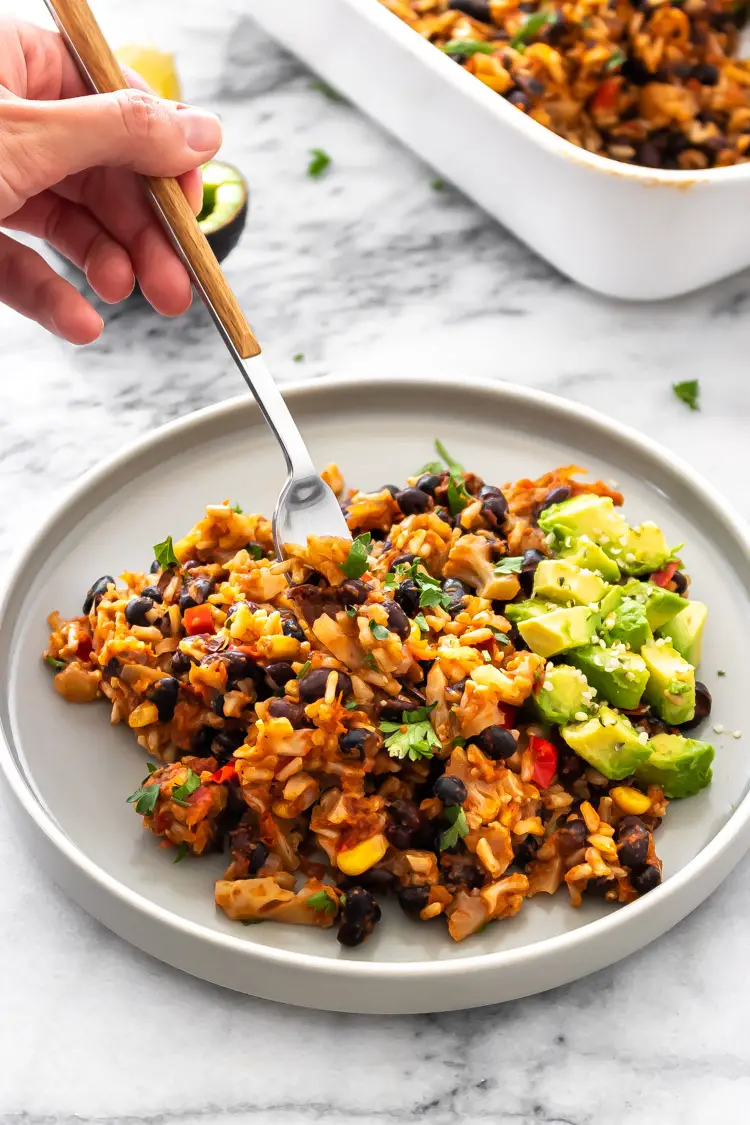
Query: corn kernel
x=354 y=861
x=144 y=714
x=630 y=800
x=280 y=647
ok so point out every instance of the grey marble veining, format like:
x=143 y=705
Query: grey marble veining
x=366 y=270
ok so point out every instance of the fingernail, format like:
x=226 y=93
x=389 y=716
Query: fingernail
x=201 y=130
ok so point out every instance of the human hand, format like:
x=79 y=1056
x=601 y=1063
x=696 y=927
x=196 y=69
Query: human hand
x=68 y=164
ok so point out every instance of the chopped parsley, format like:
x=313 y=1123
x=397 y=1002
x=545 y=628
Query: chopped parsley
x=430 y=590
x=467 y=47
x=531 y=26
x=455 y=468
x=379 y=632
x=437 y=184
x=721 y=672
x=151 y=767
x=459 y=742
x=391 y=579
x=617 y=58
x=458 y=827
x=321 y=901
x=298 y=357
x=254 y=550
x=56 y=664
x=688 y=392
x=237 y=509
x=351 y=611
x=304 y=669
x=413 y=737
x=422 y=623
x=371 y=662
x=457 y=495
x=164 y=554
x=499 y=637
x=182 y=851
x=352 y=705
x=356 y=562
x=144 y=799
x=433 y=467
x=326 y=90
x=181 y=793
x=511 y=564
x=319 y=161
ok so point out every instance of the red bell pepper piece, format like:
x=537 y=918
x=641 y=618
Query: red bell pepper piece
x=605 y=97
x=664 y=577
x=508 y=715
x=198 y=619
x=225 y=773
x=544 y=756
x=84 y=647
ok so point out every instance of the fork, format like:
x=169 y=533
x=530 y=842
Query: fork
x=306 y=505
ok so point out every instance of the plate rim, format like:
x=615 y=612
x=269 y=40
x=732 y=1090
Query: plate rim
x=732 y=839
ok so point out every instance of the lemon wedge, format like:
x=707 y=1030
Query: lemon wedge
x=155 y=67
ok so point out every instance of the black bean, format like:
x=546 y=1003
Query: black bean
x=278 y=674
x=185 y=601
x=402 y=560
x=353 y=592
x=407 y=595
x=706 y=73
x=313 y=685
x=201 y=589
x=97 y=591
x=450 y=790
x=112 y=667
x=239 y=665
x=226 y=742
x=361 y=908
x=256 y=857
x=477 y=9
x=392 y=488
x=350 y=935
x=531 y=560
x=703 y=704
x=192 y=564
x=571 y=837
x=569 y=767
x=406 y=814
x=680 y=582
x=598 y=888
x=635 y=72
x=496 y=742
x=217 y=705
x=456 y=592
x=519 y=99
x=649 y=155
x=494 y=503
x=291 y=627
x=632 y=837
x=412 y=501
x=428 y=482
x=201 y=741
x=391 y=710
x=294 y=712
x=352 y=742
x=445 y=516
x=526 y=851
x=377 y=879
x=136 y=610
x=554 y=496
x=164 y=694
x=153 y=593
x=412 y=900
x=398 y=622
x=647 y=879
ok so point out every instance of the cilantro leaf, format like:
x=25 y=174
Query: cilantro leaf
x=356 y=562
x=688 y=392
x=352 y=705
x=379 y=632
x=237 y=509
x=164 y=554
x=321 y=901
x=422 y=623
x=254 y=550
x=531 y=26
x=319 y=161
x=298 y=357
x=437 y=184
x=433 y=467
x=182 y=851
x=371 y=662
x=617 y=58
x=390 y=581
x=500 y=637
x=151 y=767
x=326 y=90
x=457 y=495
x=351 y=611
x=413 y=737
x=454 y=467
x=430 y=590
x=467 y=47
x=56 y=664
x=304 y=669
x=459 y=742
x=144 y=799
x=181 y=793
x=458 y=827
x=511 y=564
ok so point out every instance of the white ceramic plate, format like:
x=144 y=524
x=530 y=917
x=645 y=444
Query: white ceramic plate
x=70 y=772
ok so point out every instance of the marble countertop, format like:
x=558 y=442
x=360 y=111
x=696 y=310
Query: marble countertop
x=367 y=269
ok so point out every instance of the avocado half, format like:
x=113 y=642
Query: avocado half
x=224 y=211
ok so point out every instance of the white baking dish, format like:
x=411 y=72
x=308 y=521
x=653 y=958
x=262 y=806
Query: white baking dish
x=628 y=232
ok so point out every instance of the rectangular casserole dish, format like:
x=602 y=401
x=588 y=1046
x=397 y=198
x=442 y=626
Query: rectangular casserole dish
x=621 y=230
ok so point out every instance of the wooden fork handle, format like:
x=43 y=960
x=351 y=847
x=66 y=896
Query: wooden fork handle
x=100 y=67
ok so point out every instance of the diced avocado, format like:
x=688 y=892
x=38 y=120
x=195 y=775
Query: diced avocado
x=589 y=515
x=584 y=553
x=564 y=695
x=671 y=685
x=618 y=675
x=563 y=581
x=685 y=631
x=628 y=624
x=661 y=605
x=646 y=550
x=681 y=766
x=611 y=601
x=608 y=742
x=560 y=630
x=531 y=607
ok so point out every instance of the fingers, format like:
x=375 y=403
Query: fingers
x=76 y=234
x=43 y=142
x=32 y=288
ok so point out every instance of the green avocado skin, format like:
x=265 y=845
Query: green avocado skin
x=681 y=766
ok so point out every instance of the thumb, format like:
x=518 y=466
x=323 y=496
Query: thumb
x=43 y=142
